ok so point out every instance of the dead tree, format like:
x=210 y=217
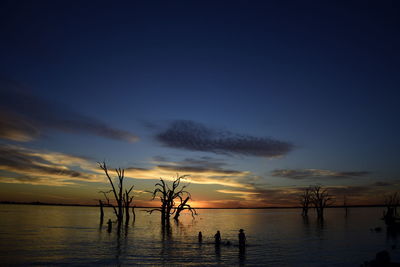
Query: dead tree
x=392 y=202
x=345 y=206
x=127 y=202
x=101 y=211
x=162 y=192
x=167 y=195
x=320 y=198
x=184 y=206
x=305 y=201
x=117 y=192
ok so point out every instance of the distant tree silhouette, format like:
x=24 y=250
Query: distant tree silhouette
x=305 y=201
x=168 y=195
x=345 y=205
x=320 y=199
x=392 y=202
x=121 y=196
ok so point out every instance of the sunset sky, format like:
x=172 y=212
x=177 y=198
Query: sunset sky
x=255 y=100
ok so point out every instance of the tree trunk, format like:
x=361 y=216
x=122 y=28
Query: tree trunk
x=101 y=211
x=126 y=214
x=133 y=212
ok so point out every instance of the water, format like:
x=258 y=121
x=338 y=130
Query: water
x=51 y=235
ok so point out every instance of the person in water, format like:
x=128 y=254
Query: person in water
x=217 y=237
x=200 y=237
x=242 y=238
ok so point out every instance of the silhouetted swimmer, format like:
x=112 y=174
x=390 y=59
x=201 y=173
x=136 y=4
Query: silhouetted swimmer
x=109 y=225
x=217 y=237
x=242 y=238
x=200 y=237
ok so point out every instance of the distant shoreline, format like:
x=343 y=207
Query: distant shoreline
x=37 y=203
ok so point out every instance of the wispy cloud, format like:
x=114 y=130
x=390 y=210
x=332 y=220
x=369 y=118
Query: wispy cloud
x=22 y=165
x=289 y=196
x=24 y=117
x=379 y=183
x=300 y=174
x=194 y=136
x=201 y=171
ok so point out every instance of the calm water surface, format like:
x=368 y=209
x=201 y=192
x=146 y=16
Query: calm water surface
x=51 y=235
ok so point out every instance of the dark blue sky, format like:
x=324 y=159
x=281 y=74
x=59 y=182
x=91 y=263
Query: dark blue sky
x=319 y=78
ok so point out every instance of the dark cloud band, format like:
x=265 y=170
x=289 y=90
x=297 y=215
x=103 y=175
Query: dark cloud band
x=316 y=173
x=193 y=136
x=23 y=117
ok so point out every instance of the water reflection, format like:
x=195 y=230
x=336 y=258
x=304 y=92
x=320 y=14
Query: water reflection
x=59 y=236
x=242 y=255
x=166 y=232
x=392 y=232
x=218 y=252
x=118 y=250
x=320 y=228
x=306 y=221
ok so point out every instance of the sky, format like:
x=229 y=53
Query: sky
x=253 y=100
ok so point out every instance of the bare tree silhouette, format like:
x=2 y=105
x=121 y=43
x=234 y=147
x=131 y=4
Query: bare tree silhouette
x=345 y=205
x=127 y=202
x=182 y=206
x=392 y=202
x=321 y=199
x=101 y=211
x=167 y=195
x=305 y=201
x=122 y=200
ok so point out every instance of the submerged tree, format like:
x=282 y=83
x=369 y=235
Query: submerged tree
x=345 y=205
x=392 y=202
x=168 y=195
x=101 y=211
x=184 y=206
x=320 y=199
x=305 y=201
x=127 y=202
x=122 y=200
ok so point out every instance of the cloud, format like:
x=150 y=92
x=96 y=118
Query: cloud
x=16 y=128
x=201 y=171
x=201 y=165
x=368 y=194
x=266 y=197
x=24 y=165
x=379 y=183
x=194 y=136
x=194 y=169
x=300 y=174
x=23 y=117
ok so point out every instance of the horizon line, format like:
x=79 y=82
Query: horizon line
x=144 y=207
